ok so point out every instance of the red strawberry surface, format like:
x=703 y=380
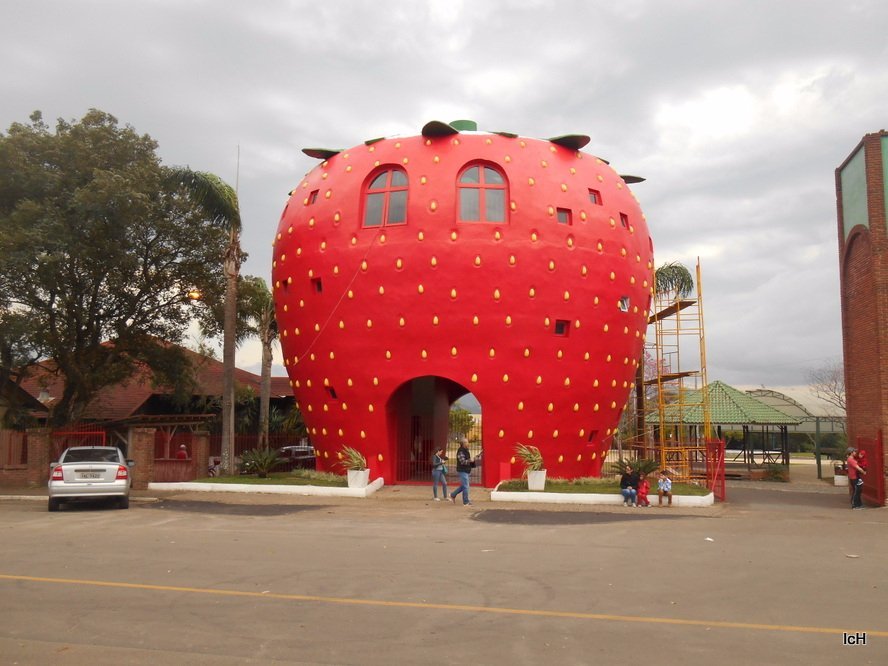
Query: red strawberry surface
x=517 y=269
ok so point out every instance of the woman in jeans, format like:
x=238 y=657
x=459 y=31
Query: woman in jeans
x=629 y=486
x=439 y=473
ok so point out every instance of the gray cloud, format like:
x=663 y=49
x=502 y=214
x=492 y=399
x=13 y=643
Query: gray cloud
x=736 y=112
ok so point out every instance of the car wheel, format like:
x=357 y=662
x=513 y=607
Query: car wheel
x=123 y=502
x=54 y=504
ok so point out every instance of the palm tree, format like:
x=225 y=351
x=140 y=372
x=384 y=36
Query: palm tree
x=219 y=202
x=258 y=310
x=673 y=278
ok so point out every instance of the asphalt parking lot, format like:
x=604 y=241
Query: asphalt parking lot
x=772 y=577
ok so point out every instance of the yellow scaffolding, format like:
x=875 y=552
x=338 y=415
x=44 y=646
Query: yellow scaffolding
x=679 y=353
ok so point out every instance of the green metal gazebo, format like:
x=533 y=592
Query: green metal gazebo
x=759 y=422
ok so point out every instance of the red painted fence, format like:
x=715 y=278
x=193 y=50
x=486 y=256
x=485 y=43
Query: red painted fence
x=874 y=479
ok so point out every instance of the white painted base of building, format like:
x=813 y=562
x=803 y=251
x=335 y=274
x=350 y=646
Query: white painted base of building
x=319 y=491
x=594 y=498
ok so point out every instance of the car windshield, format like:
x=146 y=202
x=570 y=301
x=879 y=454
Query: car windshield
x=91 y=455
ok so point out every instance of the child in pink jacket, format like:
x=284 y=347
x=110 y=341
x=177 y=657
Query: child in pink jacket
x=643 y=488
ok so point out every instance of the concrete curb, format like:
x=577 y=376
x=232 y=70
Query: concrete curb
x=592 y=498
x=44 y=498
x=317 y=491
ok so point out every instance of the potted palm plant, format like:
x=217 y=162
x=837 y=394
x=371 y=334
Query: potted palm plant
x=533 y=466
x=260 y=461
x=355 y=465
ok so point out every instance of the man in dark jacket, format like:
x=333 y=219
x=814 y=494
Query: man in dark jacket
x=464 y=465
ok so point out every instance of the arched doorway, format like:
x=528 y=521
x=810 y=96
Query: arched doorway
x=419 y=420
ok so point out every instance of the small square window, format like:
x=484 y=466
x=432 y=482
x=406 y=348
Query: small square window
x=312 y=197
x=317 y=284
x=624 y=303
x=595 y=197
x=564 y=216
x=562 y=327
x=624 y=220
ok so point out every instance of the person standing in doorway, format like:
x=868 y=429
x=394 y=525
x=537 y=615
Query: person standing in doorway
x=439 y=473
x=855 y=479
x=464 y=466
x=182 y=453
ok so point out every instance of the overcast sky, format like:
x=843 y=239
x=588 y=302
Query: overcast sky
x=737 y=113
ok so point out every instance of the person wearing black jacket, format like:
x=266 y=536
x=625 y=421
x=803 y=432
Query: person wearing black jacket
x=629 y=486
x=464 y=466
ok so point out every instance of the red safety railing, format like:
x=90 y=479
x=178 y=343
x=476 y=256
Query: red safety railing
x=715 y=469
x=874 y=479
x=77 y=435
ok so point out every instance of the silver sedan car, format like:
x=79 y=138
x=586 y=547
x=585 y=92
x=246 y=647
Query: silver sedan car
x=90 y=472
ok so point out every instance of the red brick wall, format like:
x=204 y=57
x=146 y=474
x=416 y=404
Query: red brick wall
x=863 y=259
x=13 y=477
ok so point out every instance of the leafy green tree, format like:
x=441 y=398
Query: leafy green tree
x=255 y=317
x=461 y=421
x=259 y=312
x=220 y=202
x=101 y=245
x=17 y=350
x=293 y=422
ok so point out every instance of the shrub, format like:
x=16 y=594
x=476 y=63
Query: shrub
x=777 y=473
x=531 y=457
x=643 y=466
x=260 y=461
x=351 y=459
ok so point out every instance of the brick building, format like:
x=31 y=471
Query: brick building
x=861 y=189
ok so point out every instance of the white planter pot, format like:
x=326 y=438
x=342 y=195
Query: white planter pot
x=840 y=480
x=536 y=480
x=358 y=478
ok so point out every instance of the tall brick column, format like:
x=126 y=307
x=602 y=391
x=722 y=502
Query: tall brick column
x=39 y=445
x=141 y=450
x=861 y=188
x=200 y=453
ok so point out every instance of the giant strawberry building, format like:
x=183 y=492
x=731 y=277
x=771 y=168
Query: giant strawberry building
x=411 y=271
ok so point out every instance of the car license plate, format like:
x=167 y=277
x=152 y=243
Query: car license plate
x=91 y=475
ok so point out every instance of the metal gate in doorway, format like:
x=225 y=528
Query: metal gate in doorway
x=414 y=463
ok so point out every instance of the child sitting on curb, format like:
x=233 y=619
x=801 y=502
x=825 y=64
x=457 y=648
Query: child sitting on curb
x=664 y=488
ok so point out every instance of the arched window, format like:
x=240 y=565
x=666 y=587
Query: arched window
x=482 y=194
x=385 y=199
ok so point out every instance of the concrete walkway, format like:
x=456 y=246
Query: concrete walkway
x=804 y=488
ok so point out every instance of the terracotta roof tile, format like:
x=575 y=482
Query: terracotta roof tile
x=125 y=399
